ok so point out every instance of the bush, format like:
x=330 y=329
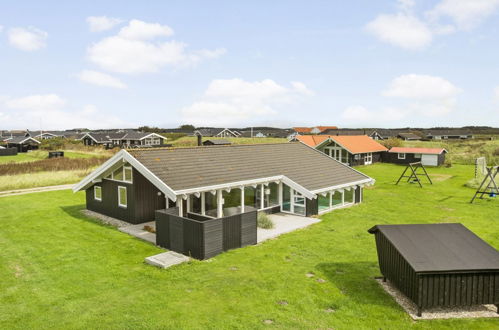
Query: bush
x=496 y=152
x=264 y=221
x=391 y=142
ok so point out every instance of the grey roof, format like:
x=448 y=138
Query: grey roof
x=186 y=168
x=19 y=139
x=409 y=135
x=442 y=247
x=217 y=142
x=134 y=135
x=447 y=132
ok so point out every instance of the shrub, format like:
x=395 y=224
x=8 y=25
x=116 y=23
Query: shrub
x=391 y=142
x=264 y=221
x=496 y=152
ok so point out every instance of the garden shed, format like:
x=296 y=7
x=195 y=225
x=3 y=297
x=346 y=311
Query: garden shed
x=438 y=265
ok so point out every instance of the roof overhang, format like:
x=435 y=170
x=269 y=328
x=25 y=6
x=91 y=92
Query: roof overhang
x=153 y=134
x=121 y=157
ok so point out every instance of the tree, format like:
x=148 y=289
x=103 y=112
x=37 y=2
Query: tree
x=187 y=127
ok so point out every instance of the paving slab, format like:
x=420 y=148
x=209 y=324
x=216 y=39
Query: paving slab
x=284 y=223
x=166 y=259
x=139 y=231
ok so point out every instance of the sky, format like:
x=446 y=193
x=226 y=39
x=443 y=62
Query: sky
x=104 y=64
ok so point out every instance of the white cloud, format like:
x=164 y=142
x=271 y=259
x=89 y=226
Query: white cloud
x=51 y=112
x=421 y=87
x=228 y=102
x=102 y=23
x=139 y=30
x=134 y=51
x=429 y=95
x=27 y=39
x=401 y=30
x=39 y=102
x=416 y=95
x=466 y=14
x=100 y=79
x=405 y=29
x=1 y=28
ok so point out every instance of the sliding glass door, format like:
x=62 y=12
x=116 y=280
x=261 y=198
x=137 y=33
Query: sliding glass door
x=292 y=201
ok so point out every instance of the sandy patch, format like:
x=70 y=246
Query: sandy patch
x=440 y=177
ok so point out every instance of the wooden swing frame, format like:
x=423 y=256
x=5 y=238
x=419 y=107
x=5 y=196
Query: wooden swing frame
x=491 y=186
x=414 y=175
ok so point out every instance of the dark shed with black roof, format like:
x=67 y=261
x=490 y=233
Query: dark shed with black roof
x=438 y=265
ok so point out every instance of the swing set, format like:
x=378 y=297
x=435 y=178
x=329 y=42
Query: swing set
x=414 y=178
x=488 y=185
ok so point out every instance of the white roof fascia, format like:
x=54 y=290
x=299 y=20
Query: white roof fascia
x=345 y=185
x=123 y=155
x=155 y=134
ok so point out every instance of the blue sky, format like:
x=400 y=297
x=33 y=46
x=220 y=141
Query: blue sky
x=98 y=64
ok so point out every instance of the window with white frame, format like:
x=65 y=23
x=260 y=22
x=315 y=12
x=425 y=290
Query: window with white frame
x=368 y=158
x=127 y=174
x=418 y=156
x=122 y=174
x=122 y=197
x=401 y=156
x=98 y=193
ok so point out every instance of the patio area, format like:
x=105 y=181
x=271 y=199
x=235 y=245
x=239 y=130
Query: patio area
x=284 y=223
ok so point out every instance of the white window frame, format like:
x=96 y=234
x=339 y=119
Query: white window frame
x=120 y=188
x=99 y=188
x=368 y=157
x=125 y=168
x=401 y=155
x=417 y=156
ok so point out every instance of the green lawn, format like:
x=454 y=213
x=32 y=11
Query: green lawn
x=59 y=269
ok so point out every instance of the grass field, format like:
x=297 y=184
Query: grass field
x=41 y=179
x=463 y=151
x=43 y=154
x=60 y=269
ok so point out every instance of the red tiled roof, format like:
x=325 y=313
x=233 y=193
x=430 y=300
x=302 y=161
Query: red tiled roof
x=323 y=128
x=312 y=140
x=302 y=129
x=357 y=144
x=404 y=150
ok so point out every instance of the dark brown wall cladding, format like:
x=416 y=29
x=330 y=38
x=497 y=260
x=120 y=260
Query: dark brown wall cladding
x=109 y=204
x=148 y=198
x=439 y=288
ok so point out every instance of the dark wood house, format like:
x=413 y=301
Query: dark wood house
x=449 y=134
x=22 y=144
x=406 y=155
x=438 y=265
x=220 y=180
x=352 y=150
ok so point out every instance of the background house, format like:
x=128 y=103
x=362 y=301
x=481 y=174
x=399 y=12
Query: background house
x=352 y=150
x=22 y=144
x=405 y=155
x=444 y=134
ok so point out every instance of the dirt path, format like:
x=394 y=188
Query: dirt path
x=34 y=190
